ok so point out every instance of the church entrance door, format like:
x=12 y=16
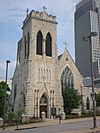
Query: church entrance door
x=43 y=108
x=44 y=105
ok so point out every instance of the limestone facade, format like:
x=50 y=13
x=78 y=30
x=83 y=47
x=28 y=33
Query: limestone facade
x=36 y=84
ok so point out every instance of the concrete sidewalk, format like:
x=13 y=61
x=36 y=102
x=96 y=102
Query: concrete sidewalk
x=97 y=130
x=49 y=122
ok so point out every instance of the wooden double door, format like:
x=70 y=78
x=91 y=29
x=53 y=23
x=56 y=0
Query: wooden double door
x=43 y=108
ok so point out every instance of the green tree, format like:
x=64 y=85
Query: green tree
x=3 y=86
x=72 y=100
x=98 y=99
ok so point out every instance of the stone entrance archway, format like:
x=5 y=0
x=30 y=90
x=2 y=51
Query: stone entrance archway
x=44 y=105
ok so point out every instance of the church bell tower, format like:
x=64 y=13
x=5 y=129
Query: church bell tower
x=39 y=65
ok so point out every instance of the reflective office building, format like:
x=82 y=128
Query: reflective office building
x=87 y=20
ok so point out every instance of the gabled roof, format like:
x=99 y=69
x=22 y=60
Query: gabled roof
x=59 y=57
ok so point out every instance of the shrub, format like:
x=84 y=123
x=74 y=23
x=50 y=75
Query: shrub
x=15 y=117
x=11 y=117
x=68 y=116
x=98 y=113
x=86 y=114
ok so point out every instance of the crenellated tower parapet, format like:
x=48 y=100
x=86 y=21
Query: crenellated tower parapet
x=44 y=16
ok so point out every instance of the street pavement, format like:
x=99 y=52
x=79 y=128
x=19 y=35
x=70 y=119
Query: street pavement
x=81 y=125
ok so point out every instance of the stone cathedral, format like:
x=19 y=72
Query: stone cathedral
x=40 y=74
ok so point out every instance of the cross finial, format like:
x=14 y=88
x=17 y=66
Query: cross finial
x=27 y=11
x=65 y=43
x=44 y=8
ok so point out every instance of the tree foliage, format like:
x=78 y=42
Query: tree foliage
x=72 y=100
x=3 y=87
x=98 y=99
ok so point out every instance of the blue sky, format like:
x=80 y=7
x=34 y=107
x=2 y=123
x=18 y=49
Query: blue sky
x=12 y=14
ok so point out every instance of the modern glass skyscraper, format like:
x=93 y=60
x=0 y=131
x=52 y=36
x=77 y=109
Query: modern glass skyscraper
x=87 y=20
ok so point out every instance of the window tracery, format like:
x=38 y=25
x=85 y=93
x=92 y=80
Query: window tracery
x=67 y=80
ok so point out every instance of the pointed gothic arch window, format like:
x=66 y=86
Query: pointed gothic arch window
x=15 y=91
x=48 y=48
x=25 y=45
x=67 y=79
x=28 y=40
x=44 y=99
x=39 y=48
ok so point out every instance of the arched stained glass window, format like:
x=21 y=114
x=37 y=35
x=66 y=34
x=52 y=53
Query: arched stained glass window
x=67 y=80
x=39 y=48
x=48 y=48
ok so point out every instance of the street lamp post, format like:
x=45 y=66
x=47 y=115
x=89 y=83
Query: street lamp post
x=92 y=34
x=4 y=115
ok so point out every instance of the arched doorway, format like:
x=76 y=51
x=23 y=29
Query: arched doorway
x=44 y=104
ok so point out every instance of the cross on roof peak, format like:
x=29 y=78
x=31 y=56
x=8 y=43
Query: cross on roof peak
x=27 y=11
x=44 y=8
x=65 y=43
